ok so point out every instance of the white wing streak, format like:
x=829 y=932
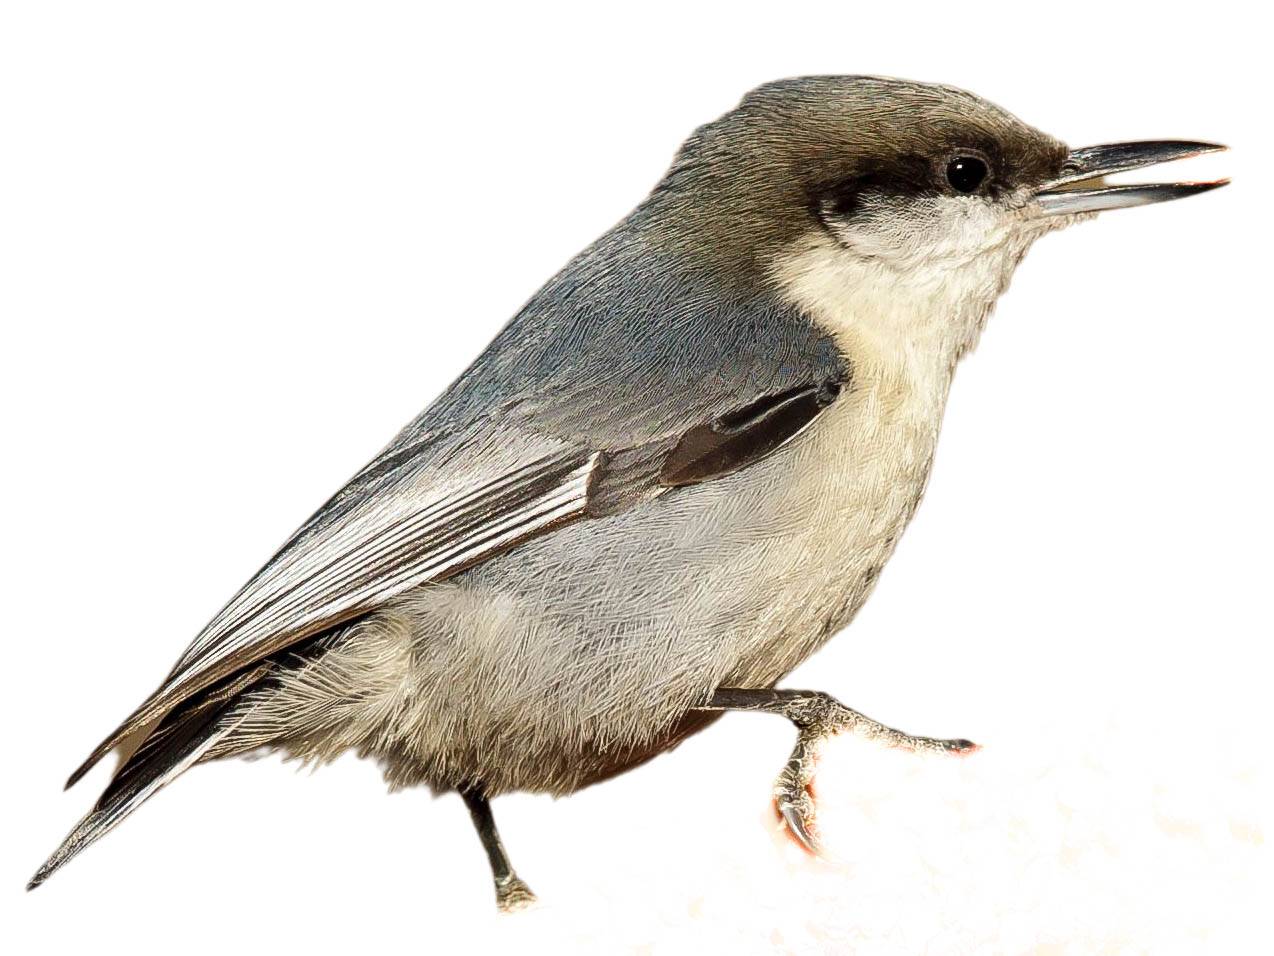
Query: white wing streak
x=374 y=557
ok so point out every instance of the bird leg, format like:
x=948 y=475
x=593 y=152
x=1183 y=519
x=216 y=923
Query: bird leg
x=818 y=717
x=510 y=892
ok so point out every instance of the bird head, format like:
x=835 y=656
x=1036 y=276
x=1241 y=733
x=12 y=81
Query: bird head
x=918 y=196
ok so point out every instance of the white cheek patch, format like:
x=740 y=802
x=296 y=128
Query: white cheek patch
x=920 y=277
x=930 y=234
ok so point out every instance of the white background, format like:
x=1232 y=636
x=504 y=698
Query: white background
x=242 y=243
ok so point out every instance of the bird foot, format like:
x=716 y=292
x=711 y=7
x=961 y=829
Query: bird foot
x=512 y=895
x=818 y=718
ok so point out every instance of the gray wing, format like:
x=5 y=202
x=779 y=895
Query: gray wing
x=582 y=406
x=404 y=520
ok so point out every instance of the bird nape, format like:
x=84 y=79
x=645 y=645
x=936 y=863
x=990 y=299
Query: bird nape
x=670 y=478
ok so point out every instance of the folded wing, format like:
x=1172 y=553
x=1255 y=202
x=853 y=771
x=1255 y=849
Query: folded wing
x=407 y=519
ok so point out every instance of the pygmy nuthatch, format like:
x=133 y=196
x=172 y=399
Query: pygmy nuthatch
x=669 y=479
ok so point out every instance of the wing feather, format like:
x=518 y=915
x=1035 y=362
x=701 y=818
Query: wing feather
x=363 y=549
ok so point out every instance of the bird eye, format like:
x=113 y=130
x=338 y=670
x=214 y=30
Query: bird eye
x=965 y=173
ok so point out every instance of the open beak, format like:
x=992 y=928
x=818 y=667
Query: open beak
x=1081 y=187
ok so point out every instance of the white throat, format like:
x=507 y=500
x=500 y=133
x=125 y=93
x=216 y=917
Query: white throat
x=907 y=323
x=866 y=302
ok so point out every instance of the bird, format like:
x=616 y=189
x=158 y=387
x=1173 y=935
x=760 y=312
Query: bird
x=671 y=477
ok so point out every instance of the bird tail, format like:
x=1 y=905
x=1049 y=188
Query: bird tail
x=178 y=742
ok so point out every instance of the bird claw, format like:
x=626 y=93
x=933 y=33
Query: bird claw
x=798 y=814
x=793 y=794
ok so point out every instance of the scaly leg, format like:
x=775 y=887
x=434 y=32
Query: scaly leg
x=510 y=892
x=817 y=717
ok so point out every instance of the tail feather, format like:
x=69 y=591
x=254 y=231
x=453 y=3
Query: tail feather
x=179 y=742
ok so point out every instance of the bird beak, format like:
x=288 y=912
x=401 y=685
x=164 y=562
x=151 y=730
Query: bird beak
x=1081 y=187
